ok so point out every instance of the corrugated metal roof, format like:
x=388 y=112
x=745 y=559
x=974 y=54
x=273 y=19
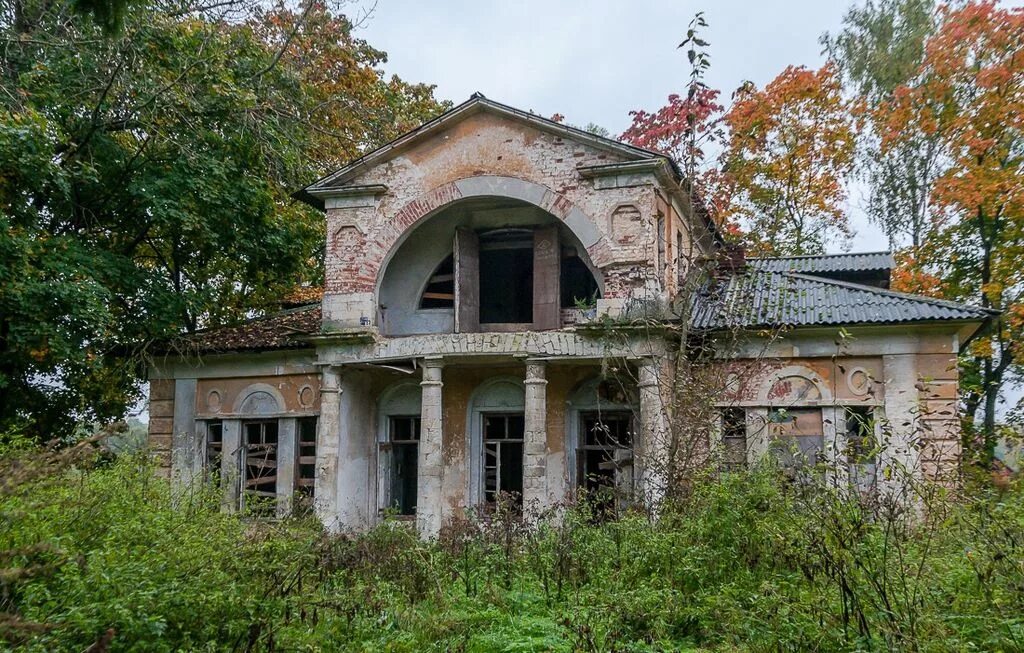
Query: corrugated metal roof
x=764 y=299
x=859 y=262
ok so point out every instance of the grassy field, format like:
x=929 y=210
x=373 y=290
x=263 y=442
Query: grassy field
x=97 y=556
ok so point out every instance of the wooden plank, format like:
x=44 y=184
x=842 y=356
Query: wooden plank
x=307 y=460
x=438 y=295
x=467 y=281
x=547 y=268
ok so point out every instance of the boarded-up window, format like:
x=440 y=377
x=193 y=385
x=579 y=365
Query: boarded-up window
x=259 y=464
x=734 y=439
x=797 y=438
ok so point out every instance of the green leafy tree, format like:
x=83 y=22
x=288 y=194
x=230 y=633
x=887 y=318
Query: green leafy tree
x=145 y=181
x=879 y=48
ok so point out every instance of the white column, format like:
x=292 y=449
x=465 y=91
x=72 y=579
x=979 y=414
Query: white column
x=230 y=464
x=429 y=499
x=287 y=450
x=653 y=450
x=899 y=459
x=185 y=450
x=535 y=440
x=325 y=484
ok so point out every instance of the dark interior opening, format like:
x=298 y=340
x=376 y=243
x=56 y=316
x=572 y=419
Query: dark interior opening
x=578 y=287
x=506 y=277
x=404 y=436
x=503 y=456
x=307 y=456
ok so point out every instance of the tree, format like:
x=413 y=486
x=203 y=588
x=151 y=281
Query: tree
x=879 y=49
x=968 y=95
x=790 y=148
x=145 y=181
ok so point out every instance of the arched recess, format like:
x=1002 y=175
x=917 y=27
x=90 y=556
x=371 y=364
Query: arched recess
x=504 y=395
x=259 y=399
x=430 y=203
x=793 y=385
x=594 y=396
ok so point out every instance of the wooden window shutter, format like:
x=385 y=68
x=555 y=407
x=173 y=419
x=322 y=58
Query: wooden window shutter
x=547 y=268
x=467 y=281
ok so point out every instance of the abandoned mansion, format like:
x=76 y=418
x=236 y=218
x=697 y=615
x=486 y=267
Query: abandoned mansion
x=503 y=306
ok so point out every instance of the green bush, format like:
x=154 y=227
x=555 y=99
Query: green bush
x=104 y=553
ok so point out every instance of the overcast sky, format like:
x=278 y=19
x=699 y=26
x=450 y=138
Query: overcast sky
x=595 y=60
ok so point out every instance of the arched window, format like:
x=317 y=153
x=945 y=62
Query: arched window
x=497 y=429
x=399 y=446
x=440 y=289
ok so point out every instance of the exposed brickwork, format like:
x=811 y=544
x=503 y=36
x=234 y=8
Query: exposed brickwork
x=425 y=178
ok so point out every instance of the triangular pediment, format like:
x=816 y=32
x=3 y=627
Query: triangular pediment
x=474 y=107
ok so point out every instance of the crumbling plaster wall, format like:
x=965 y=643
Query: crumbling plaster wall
x=909 y=373
x=483 y=155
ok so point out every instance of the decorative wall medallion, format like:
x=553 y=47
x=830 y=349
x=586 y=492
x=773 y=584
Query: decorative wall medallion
x=214 y=401
x=306 y=396
x=859 y=381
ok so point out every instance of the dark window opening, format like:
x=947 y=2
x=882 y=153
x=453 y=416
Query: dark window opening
x=506 y=277
x=734 y=439
x=307 y=456
x=605 y=450
x=259 y=463
x=440 y=290
x=214 y=450
x=861 y=447
x=403 y=441
x=503 y=457
x=578 y=288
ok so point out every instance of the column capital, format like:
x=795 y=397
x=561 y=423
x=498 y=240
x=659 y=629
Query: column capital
x=433 y=361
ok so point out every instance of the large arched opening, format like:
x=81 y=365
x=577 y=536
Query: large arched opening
x=486 y=263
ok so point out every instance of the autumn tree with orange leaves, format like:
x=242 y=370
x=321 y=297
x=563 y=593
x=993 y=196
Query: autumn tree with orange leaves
x=969 y=93
x=790 y=147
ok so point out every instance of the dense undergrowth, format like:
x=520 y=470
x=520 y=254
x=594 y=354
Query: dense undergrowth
x=99 y=557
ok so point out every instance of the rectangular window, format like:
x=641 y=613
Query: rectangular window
x=307 y=456
x=861 y=447
x=404 y=445
x=734 y=439
x=259 y=465
x=214 y=450
x=503 y=456
x=605 y=451
x=797 y=438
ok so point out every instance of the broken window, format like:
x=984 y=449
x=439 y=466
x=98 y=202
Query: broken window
x=734 y=439
x=259 y=465
x=402 y=451
x=797 y=438
x=861 y=446
x=605 y=454
x=440 y=290
x=307 y=456
x=506 y=277
x=503 y=456
x=214 y=450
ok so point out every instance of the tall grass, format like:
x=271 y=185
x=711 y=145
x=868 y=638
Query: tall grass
x=100 y=556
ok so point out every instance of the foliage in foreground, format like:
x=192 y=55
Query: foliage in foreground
x=747 y=564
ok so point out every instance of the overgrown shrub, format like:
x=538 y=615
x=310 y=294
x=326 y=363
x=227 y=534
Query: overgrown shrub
x=105 y=556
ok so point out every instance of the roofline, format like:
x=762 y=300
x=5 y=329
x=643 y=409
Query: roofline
x=988 y=312
x=475 y=103
x=885 y=252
